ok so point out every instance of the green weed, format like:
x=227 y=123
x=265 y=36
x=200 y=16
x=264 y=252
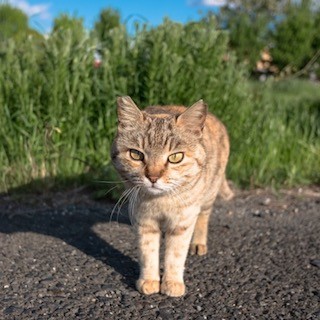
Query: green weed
x=58 y=112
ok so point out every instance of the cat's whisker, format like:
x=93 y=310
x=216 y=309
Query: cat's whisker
x=110 y=182
x=175 y=194
x=132 y=203
x=127 y=196
x=123 y=201
x=124 y=194
x=172 y=186
x=174 y=183
x=108 y=191
x=136 y=200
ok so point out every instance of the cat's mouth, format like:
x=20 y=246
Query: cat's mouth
x=154 y=190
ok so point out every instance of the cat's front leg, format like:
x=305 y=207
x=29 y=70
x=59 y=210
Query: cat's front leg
x=177 y=243
x=149 y=243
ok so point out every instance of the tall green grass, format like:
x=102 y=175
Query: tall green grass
x=280 y=141
x=58 y=112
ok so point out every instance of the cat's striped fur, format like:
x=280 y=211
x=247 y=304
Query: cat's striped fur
x=171 y=198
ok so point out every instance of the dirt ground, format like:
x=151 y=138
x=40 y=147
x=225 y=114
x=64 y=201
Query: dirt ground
x=62 y=256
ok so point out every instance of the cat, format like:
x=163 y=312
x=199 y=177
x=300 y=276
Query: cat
x=173 y=160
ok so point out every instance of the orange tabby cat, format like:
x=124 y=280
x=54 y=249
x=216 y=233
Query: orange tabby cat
x=173 y=160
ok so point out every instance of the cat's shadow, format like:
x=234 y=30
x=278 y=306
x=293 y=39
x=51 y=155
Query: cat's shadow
x=74 y=224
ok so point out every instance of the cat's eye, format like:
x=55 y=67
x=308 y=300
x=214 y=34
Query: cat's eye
x=176 y=157
x=136 y=155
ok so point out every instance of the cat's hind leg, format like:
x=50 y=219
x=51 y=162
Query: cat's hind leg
x=225 y=191
x=199 y=239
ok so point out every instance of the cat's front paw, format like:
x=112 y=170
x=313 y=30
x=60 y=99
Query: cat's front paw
x=173 y=289
x=199 y=249
x=147 y=286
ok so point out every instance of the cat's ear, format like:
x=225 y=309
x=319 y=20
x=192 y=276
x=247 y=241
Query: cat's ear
x=128 y=113
x=194 y=117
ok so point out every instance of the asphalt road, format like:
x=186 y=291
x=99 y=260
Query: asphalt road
x=63 y=257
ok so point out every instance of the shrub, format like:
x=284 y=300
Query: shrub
x=58 y=112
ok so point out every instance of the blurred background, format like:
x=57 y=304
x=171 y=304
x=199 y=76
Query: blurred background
x=63 y=63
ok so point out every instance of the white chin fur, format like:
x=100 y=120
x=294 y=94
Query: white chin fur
x=154 y=191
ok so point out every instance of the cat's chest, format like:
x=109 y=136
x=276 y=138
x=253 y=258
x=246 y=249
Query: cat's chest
x=166 y=211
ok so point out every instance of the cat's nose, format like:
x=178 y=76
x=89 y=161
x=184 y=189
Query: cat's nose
x=153 y=173
x=153 y=179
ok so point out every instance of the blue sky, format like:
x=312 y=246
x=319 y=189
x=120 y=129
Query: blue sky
x=42 y=12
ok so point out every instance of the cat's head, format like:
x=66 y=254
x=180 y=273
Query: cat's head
x=159 y=149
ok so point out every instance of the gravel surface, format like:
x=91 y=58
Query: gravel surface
x=63 y=257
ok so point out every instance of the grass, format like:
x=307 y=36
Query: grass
x=285 y=135
x=58 y=114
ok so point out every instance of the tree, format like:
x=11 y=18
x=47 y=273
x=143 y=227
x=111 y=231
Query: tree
x=64 y=22
x=293 y=36
x=266 y=6
x=316 y=44
x=108 y=20
x=247 y=33
x=247 y=28
x=316 y=38
x=14 y=28
x=14 y=24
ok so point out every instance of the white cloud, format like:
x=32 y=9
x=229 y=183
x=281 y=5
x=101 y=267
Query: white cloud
x=209 y=3
x=39 y=10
